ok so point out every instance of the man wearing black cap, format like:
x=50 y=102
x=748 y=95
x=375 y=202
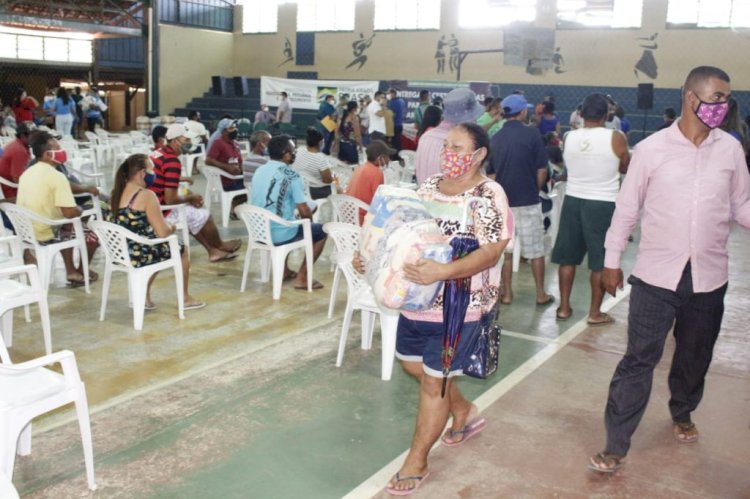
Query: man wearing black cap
x=16 y=158
x=518 y=162
x=367 y=178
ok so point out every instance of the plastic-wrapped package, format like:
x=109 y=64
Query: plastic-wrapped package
x=399 y=230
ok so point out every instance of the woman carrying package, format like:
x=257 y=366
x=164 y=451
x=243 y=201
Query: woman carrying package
x=419 y=343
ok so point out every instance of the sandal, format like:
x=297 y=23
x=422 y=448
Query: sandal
x=685 y=432
x=603 y=321
x=472 y=428
x=405 y=492
x=604 y=462
x=560 y=317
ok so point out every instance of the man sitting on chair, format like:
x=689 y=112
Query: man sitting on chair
x=167 y=168
x=43 y=190
x=280 y=190
x=225 y=154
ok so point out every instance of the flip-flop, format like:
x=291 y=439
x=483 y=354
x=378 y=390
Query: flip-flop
x=315 y=285
x=406 y=492
x=195 y=306
x=606 y=319
x=149 y=307
x=472 y=428
x=236 y=248
x=600 y=461
x=563 y=318
x=225 y=258
x=290 y=276
x=550 y=299
x=681 y=430
x=75 y=284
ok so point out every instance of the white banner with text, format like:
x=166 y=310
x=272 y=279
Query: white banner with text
x=308 y=94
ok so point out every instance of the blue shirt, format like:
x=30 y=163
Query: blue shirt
x=516 y=155
x=61 y=108
x=278 y=189
x=325 y=109
x=398 y=106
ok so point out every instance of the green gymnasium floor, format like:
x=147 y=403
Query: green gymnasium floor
x=242 y=400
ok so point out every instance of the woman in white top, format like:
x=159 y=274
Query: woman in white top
x=595 y=157
x=314 y=166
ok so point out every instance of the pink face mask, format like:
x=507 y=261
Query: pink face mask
x=454 y=164
x=712 y=114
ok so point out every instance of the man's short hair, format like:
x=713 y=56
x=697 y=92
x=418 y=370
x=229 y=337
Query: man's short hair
x=284 y=94
x=192 y=114
x=257 y=137
x=423 y=94
x=670 y=113
x=379 y=93
x=595 y=107
x=39 y=142
x=159 y=132
x=698 y=76
x=278 y=146
x=392 y=91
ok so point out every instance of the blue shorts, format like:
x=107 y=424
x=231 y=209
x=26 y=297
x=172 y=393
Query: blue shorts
x=418 y=341
x=318 y=234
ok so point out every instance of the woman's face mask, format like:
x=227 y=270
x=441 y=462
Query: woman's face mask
x=454 y=164
x=233 y=135
x=149 y=179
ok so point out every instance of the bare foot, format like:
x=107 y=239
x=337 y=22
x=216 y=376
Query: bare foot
x=231 y=246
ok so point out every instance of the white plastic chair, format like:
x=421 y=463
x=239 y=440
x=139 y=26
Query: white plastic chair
x=346 y=210
x=187 y=160
x=7 y=490
x=258 y=223
x=96 y=207
x=213 y=186
x=557 y=196
x=14 y=294
x=346 y=238
x=6 y=183
x=28 y=390
x=21 y=218
x=114 y=240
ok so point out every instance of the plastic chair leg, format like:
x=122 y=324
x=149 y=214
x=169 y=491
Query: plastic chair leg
x=7 y=331
x=82 y=410
x=46 y=328
x=246 y=267
x=24 y=441
x=344 y=331
x=139 y=302
x=277 y=272
x=226 y=207
x=368 y=326
x=388 y=327
x=105 y=290
x=180 y=287
x=334 y=291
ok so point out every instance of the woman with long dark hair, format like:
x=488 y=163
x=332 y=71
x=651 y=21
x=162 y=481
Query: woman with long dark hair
x=64 y=109
x=137 y=209
x=349 y=135
x=431 y=117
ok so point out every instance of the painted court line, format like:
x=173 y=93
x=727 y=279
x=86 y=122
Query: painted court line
x=378 y=481
x=529 y=337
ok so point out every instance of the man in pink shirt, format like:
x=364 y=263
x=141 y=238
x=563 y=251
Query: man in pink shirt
x=460 y=106
x=689 y=181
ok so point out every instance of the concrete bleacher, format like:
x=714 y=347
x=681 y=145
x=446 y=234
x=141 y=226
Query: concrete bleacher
x=212 y=107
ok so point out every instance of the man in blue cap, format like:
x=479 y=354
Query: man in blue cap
x=518 y=161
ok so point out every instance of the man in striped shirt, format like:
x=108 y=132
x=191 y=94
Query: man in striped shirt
x=167 y=168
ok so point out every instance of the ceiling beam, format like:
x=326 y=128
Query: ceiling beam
x=45 y=22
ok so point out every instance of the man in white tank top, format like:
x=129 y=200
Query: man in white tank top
x=595 y=157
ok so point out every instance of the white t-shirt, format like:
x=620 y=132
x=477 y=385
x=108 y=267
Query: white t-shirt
x=284 y=107
x=614 y=124
x=593 y=167
x=377 y=123
x=196 y=127
x=309 y=165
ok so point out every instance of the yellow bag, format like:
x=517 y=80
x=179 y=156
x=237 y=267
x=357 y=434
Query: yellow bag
x=328 y=123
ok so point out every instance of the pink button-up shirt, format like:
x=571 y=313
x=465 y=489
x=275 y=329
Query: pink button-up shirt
x=427 y=158
x=688 y=196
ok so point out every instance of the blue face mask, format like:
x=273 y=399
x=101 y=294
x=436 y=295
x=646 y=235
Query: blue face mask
x=149 y=179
